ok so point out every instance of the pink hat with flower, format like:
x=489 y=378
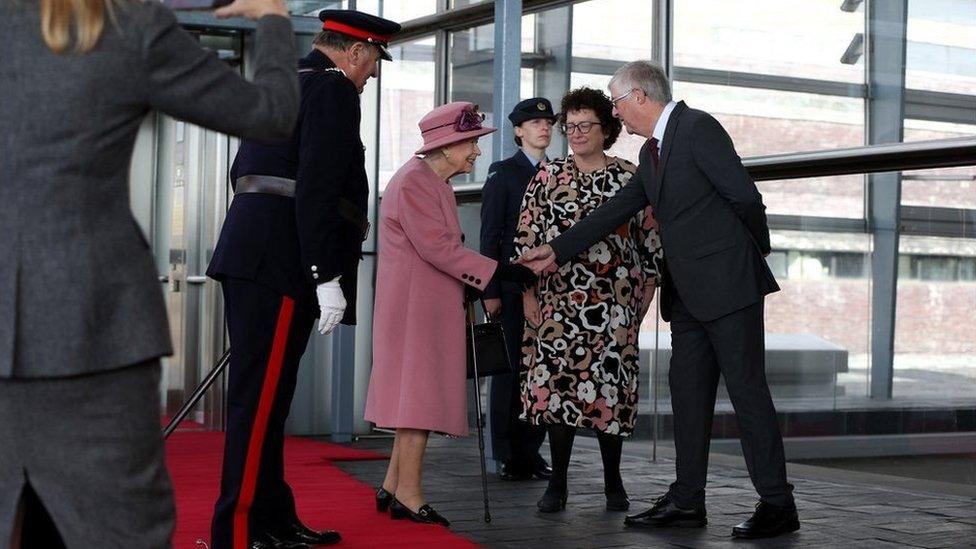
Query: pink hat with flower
x=451 y=123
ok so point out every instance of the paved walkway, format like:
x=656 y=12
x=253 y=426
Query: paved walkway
x=837 y=508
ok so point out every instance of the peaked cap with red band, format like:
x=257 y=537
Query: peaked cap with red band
x=361 y=26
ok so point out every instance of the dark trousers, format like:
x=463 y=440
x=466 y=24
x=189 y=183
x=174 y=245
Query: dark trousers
x=268 y=335
x=734 y=347
x=512 y=439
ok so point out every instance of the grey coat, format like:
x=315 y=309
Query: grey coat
x=78 y=289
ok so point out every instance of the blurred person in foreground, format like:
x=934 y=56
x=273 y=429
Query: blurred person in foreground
x=289 y=252
x=714 y=235
x=514 y=442
x=424 y=273
x=580 y=360
x=82 y=320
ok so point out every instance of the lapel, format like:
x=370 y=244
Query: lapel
x=526 y=168
x=666 y=152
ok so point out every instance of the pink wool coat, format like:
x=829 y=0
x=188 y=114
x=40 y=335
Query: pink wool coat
x=418 y=377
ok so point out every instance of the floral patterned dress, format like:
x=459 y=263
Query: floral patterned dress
x=581 y=366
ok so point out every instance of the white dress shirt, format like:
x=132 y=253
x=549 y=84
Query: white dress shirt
x=662 y=124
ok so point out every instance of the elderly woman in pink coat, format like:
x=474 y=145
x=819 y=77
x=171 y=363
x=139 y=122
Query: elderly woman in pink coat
x=418 y=380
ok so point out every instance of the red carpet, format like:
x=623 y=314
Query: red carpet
x=327 y=497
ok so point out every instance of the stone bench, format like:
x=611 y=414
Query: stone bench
x=797 y=365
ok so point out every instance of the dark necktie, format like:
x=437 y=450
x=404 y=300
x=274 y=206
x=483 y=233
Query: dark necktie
x=654 y=150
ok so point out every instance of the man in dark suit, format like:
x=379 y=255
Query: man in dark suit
x=288 y=252
x=714 y=234
x=516 y=443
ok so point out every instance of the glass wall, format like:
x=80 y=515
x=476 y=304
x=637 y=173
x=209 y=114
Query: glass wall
x=470 y=78
x=791 y=38
x=782 y=76
x=935 y=336
x=941 y=48
x=785 y=86
x=408 y=92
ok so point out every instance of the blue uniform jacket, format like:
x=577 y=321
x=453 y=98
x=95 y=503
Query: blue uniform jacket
x=501 y=204
x=293 y=244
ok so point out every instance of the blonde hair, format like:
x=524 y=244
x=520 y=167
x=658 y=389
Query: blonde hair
x=74 y=24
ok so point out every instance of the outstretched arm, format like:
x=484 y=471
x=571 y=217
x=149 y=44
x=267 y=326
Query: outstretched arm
x=601 y=222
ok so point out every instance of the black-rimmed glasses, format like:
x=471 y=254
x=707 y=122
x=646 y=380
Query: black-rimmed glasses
x=583 y=127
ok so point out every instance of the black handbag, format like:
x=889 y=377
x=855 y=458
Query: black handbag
x=487 y=340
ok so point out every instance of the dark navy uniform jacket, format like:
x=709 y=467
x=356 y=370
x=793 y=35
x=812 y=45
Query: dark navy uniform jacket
x=501 y=204
x=293 y=244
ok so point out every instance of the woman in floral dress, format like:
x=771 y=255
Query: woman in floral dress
x=580 y=346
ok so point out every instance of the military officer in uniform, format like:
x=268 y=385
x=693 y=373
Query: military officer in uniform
x=288 y=253
x=516 y=443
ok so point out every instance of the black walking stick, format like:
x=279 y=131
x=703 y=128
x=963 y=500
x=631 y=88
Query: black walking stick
x=197 y=394
x=480 y=419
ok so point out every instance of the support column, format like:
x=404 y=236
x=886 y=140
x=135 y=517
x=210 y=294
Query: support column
x=662 y=49
x=886 y=27
x=506 y=71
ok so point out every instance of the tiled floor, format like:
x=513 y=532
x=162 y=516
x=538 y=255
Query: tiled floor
x=837 y=508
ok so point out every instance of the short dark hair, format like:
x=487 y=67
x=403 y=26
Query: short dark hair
x=598 y=102
x=334 y=40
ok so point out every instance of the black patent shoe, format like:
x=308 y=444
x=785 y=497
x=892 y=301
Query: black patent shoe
x=666 y=513
x=617 y=500
x=267 y=540
x=552 y=502
x=768 y=521
x=512 y=471
x=383 y=500
x=299 y=533
x=542 y=470
x=426 y=514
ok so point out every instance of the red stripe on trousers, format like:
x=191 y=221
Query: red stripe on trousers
x=252 y=462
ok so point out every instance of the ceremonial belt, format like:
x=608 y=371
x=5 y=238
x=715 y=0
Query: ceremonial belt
x=283 y=186
x=268 y=184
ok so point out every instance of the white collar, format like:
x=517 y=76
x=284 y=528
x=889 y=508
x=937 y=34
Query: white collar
x=662 y=123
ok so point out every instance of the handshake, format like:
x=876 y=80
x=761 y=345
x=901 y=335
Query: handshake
x=541 y=259
x=524 y=272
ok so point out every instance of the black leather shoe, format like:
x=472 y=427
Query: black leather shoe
x=666 y=513
x=383 y=500
x=542 y=471
x=768 y=521
x=512 y=471
x=552 y=502
x=617 y=500
x=426 y=514
x=299 y=533
x=267 y=540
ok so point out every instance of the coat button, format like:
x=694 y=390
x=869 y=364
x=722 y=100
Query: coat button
x=315 y=276
x=477 y=281
x=314 y=268
x=465 y=277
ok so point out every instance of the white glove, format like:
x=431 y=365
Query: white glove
x=332 y=305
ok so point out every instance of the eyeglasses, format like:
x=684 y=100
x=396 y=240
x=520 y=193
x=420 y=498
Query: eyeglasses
x=622 y=97
x=469 y=120
x=583 y=127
